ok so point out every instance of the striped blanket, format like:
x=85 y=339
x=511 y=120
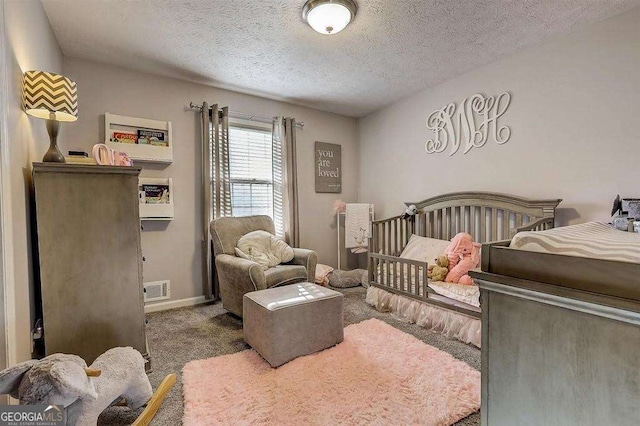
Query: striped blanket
x=593 y=239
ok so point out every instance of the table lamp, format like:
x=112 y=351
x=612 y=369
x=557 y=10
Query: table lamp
x=54 y=98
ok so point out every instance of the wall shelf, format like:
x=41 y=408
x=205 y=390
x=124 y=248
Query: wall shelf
x=155 y=210
x=152 y=152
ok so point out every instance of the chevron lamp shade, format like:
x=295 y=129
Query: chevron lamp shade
x=50 y=96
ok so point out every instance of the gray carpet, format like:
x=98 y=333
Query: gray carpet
x=182 y=335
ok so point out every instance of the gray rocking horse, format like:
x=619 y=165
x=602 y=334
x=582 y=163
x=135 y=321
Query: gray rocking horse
x=62 y=379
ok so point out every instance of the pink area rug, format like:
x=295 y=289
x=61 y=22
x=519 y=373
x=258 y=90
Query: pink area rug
x=378 y=375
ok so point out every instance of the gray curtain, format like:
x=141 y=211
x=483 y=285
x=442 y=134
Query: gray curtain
x=216 y=188
x=285 y=180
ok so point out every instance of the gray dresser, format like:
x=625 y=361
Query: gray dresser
x=560 y=339
x=88 y=234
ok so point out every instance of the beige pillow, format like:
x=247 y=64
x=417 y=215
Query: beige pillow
x=264 y=249
x=424 y=249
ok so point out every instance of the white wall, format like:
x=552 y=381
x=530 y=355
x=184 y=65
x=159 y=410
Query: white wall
x=574 y=121
x=172 y=249
x=31 y=45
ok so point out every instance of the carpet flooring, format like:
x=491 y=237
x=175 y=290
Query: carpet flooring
x=182 y=335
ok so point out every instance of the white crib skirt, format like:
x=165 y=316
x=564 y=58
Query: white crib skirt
x=451 y=324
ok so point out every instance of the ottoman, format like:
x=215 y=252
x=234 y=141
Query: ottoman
x=283 y=323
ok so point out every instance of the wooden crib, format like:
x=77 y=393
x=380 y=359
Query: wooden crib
x=486 y=216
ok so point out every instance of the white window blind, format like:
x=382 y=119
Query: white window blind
x=251 y=164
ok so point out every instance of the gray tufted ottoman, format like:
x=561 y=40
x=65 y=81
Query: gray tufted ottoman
x=283 y=323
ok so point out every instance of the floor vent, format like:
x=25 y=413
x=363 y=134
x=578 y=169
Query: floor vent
x=157 y=290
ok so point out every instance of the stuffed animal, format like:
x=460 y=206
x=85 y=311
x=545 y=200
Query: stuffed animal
x=410 y=212
x=439 y=270
x=62 y=379
x=463 y=255
x=339 y=206
x=346 y=279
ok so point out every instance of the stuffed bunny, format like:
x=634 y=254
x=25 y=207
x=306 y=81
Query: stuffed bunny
x=463 y=255
x=62 y=379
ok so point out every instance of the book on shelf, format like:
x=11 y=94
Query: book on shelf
x=77 y=159
x=154 y=194
x=152 y=137
x=122 y=137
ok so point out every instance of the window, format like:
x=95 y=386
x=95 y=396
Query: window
x=251 y=171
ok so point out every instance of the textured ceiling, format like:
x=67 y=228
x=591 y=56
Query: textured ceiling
x=391 y=50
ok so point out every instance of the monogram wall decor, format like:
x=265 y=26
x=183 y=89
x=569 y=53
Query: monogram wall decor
x=471 y=124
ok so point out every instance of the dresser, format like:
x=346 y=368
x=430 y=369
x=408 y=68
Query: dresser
x=89 y=257
x=560 y=339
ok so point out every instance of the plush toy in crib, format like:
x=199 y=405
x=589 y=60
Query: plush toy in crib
x=439 y=270
x=62 y=379
x=410 y=212
x=463 y=255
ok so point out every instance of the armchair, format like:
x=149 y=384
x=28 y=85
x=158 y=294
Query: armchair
x=237 y=276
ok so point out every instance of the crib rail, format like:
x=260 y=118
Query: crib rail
x=538 y=225
x=486 y=216
x=408 y=277
x=390 y=236
x=405 y=275
x=485 y=223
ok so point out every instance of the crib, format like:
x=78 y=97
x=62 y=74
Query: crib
x=487 y=216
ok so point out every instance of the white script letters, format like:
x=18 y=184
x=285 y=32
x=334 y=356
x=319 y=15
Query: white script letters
x=471 y=124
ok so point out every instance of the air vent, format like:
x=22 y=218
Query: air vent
x=157 y=290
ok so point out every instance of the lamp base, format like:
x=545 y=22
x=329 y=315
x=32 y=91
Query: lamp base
x=53 y=155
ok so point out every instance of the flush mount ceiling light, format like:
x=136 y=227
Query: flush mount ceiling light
x=329 y=16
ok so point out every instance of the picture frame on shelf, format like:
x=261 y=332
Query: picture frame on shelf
x=142 y=139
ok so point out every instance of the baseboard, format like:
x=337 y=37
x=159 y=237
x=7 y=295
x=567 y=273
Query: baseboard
x=174 y=304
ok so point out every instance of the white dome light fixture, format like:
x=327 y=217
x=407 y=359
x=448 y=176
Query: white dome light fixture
x=329 y=16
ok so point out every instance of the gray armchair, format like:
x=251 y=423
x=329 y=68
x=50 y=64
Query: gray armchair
x=238 y=276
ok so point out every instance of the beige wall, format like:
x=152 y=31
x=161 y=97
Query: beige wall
x=574 y=122
x=30 y=45
x=172 y=249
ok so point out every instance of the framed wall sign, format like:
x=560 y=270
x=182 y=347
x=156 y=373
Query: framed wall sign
x=328 y=167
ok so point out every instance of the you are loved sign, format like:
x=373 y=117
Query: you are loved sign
x=328 y=168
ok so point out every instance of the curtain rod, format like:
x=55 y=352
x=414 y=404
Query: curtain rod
x=245 y=116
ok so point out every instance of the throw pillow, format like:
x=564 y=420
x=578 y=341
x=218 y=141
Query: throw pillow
x=424 y=249
x=264 y=249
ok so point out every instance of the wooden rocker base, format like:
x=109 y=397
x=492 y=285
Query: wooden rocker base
x=156 y=401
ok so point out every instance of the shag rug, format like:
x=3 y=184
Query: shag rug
x=378 y=375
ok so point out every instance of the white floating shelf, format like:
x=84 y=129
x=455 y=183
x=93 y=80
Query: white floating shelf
x=155 y=211
x=137 y=151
